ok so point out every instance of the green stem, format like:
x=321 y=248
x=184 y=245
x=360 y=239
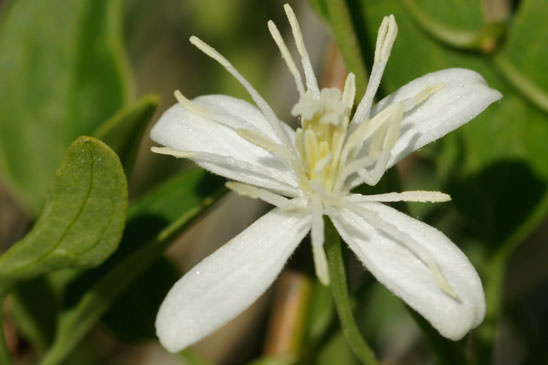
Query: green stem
x=483 y=40
x=339 y=289
x=526 y=87
x=4 y=350
x=341 y=23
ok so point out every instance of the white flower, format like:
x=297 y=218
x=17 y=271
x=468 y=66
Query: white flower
x=309 y=173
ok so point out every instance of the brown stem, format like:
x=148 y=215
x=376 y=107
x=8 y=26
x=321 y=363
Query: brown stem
x=288 y=318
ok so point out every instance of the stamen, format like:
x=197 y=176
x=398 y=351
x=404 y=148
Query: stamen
x=286 y=56
x=172 y=152
x=322 y=163
x=385 y=40
x=421 y=97
x=349 y=92
x=311 y=82
x=379 y=169
x=193 y=107
x=310 y=147
x=257 y=193
x=390 y=115
x=317 y=236
x=441 y=281
x=407 y=196
x=411 y=244
x=259 y=140
x=356 y=166
x=261 y=103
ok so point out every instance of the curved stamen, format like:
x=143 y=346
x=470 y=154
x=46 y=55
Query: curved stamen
x=311 y=82
x=390 y=115
x=318 y=238
x=257 y=193
x=349 y=92
x=411 y=244
x=420 y=196
x=215 y=159
x=261 y=103
x=190 y=105
x=283 y=153
x=385 y=40
x=286 y=56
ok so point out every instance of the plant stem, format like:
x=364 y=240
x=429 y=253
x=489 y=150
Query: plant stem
x=5 y=358
x=341 y=23
x=288 y=318
x=339 y=289
x=483 y=40
x=525 y=86
x=496 y=10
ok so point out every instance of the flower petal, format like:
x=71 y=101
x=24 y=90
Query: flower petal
x=238 y=170
x=463 y=95
x=229 y=280
x=416 y=262
x=184 y=130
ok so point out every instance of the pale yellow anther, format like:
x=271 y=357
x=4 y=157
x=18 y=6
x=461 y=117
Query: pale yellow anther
x=258 y=140
x=296 y=29
x=386 y=37
x=311 y=82
x=349 y=92
x=440 y=280
x=422 y=96
x=322 y=163
x=210 y=51
x=311 y=149
x=188 y=104
x=286 y=56
x=172 y=152
x=254 y=192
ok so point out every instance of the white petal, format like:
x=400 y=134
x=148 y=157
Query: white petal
x=238 y=170
x=464 y=95
x=396 y=249
x=229 y=280
x=184 y=130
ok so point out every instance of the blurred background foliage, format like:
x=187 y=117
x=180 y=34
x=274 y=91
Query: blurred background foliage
x=103 y=68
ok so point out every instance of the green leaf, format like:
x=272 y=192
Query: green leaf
x=82 y=220
x=153 y=222
x=123 y=131
x=62 y=73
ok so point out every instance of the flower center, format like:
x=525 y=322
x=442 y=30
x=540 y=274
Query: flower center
x=319 y=141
